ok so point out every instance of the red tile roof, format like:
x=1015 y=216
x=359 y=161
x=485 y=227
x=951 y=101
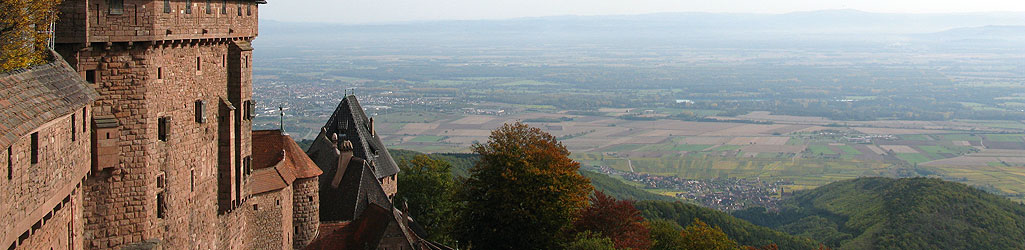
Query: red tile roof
x=278 y=161
x=36 y=95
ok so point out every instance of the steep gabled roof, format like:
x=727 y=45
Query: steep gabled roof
x=34 y=96
x=350 y=123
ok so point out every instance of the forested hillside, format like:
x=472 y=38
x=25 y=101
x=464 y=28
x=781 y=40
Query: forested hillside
x=739 y=230
x=913 y=213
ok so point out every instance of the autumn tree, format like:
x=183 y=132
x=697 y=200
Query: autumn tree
x=24 y=26
x=699 y=235
x=426 y=185
x=617 y=220
x=524 y=193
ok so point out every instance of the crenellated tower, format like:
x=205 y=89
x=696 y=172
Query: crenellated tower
x=173 y=154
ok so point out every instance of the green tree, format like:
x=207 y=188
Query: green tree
x=524 y=193
x=665 y=235
x=701 y=236
x=591 y=241
x=426 y=185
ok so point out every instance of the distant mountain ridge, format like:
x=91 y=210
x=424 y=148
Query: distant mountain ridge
x=799 y=29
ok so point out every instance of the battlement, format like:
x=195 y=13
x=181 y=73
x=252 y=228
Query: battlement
x=115 y=21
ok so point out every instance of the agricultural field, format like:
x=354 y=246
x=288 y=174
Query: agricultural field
x=797 y=149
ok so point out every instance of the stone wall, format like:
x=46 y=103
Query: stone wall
x=59 y=230
x=306 y=217
x=146 y=20
x=30 y=193
x=271 y=223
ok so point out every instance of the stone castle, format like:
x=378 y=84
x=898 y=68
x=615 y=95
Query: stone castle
x=138 y=135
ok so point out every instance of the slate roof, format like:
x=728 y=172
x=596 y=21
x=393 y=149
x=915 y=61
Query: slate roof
x=36 y=95
x=350 y=123
x=278 y=161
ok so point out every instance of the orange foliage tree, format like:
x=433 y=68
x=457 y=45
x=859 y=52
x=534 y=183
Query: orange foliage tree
x=524 y=193
x=24 y=26
x=618 y=220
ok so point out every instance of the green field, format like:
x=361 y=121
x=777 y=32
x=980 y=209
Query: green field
x=960 y=137
x=848 y=150
x=913 y=158
x=428 y=138
x=916 y=137
x=1004 y=137
x=820 y=149
x=726 y=148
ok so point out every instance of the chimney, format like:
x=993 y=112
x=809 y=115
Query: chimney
x=372 y=132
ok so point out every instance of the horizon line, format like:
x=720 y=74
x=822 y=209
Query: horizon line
x=642 y=14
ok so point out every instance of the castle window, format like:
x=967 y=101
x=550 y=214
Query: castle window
x=85 y=119
x=208 y=11
x=10 y=164
x=35 y=147
x=224 y=60
x=115 y=7
x=90 y=76
x=239 y=5
x=160 y=205
x=256 y=207
x=74 y=129
x=167 y=6
x=163 y=128
x=199 y=62
x=249 y=9
x=200 y=111
x=160 y=73
x=192 y=180
x=248 y=165
x=188 y=6
x=224 y=6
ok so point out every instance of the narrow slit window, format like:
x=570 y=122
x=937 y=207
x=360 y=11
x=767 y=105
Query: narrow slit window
x=239 y=5
x=199 y=64
x=35 y=148
x=160 y=73
x=224 y=6
x=116 y=7
x=249 y=8
x=160 y=205
x=85 y=119
x=188 y=6
x=167 y=6
x=10 y=163
x=74 y=128
x=192 y=181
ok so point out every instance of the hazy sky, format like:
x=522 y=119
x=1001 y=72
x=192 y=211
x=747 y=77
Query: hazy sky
x=372 y=11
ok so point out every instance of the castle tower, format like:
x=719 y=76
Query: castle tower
x=305 y=211
x=175 y=87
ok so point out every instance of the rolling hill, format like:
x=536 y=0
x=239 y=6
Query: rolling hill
x=885 y=213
